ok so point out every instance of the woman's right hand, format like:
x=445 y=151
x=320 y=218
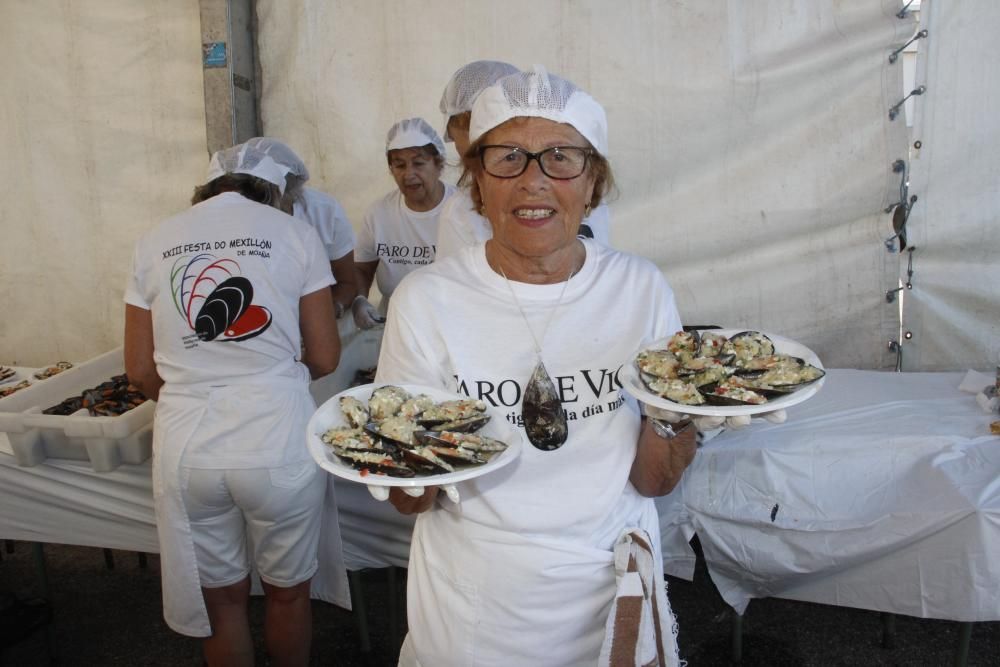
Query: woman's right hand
x=406 y=503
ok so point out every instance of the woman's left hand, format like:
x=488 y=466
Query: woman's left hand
x=660 y=460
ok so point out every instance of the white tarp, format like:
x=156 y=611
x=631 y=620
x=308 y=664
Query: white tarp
x=882 y=492
x=102 y=128
x=953 y=310
x=750 y=139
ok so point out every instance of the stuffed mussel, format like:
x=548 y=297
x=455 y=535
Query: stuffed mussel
x=744 y=369
x=402 y=435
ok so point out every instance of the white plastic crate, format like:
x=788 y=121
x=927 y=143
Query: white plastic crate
x=106 y=442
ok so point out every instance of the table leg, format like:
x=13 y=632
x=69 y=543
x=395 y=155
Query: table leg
x=888 y=630
x=737 y=638
x=43 y=577
x=358 y=607
x=964 y=639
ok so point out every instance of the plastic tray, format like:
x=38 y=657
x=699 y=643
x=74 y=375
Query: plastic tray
x=106 y=442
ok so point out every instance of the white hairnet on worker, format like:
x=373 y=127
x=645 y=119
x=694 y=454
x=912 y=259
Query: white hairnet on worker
x=282 y=154
x=542 y=95
x=244 y=159
x=466 y=84
x=412 y=133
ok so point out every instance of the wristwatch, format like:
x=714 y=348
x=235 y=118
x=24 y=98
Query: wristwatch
x=669 y=431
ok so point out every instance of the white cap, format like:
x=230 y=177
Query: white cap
x=282 y=154
x=412 y=133
x=466 y=84
x=541 y=95
x=243 y=159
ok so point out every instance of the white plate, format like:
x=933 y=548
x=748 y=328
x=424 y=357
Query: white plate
x=329 y=416
x=632 y=383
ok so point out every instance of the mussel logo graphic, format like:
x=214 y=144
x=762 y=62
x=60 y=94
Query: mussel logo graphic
x=215 y=300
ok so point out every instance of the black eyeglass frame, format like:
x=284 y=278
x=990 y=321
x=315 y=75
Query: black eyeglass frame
x=537 y=157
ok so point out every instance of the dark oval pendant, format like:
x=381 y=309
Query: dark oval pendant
x=541 y=409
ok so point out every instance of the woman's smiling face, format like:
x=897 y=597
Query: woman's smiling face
x=532 y=214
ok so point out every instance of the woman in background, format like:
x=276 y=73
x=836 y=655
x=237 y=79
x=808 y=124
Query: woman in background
x=400 y=229
x=324 y=213
x=221 y=301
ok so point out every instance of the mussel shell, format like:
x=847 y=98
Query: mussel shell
x=749 y=344
x=470 y=425
x=685 y=344
x=473 y=441
x=397 y=430
x=425 y=458
x=542 y=412
x=386 y=401
x=354 y=411
x=678 y=391
x=659 y=363
x=452 y=411
x=781 y=388
x=459 y=455
x=727 y=394
x=415 y=406
x=373 y=462
x=713 y=345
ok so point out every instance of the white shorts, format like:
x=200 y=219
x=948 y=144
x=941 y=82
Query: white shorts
x=279 y=510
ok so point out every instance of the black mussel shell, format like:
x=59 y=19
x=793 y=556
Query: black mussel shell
x=542 y=412
x=734 y=396
x=469 y=425
x=765 y=344
x=421 y=459
x=386 y=465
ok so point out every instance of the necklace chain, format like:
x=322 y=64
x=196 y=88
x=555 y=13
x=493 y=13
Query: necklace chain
x=537 y=341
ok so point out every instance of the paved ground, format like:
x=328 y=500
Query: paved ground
x=112 y=617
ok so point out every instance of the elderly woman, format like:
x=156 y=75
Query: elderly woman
x=538 y=322
x=461 y=224
x=227 y=316
x=323 y=213
x=400 y=229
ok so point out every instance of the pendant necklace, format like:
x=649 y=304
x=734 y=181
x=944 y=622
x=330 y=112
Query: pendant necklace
x=541 y=409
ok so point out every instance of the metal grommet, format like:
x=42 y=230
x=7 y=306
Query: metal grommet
x=917 y=144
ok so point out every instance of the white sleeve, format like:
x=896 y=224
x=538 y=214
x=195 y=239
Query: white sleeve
x=343 y=233
x=406 y=356
x=317 y=269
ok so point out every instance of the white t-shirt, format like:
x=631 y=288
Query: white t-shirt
x=197 y=270
x=456 y=326
x=460 y=225
x=328 y=218
x=402 y=240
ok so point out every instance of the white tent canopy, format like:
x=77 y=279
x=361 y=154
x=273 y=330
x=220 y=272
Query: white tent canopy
x=750 y=140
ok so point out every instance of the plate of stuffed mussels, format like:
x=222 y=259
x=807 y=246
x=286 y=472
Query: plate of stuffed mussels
x=409 y=435
x=723 y=372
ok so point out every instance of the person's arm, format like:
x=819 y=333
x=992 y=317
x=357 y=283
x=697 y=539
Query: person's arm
x=139 y=365
x=346 y=289
x=320 y=339
x=659 y=461
x=366 y=276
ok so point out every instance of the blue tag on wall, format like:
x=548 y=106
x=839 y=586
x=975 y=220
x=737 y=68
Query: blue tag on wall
x=214 y=54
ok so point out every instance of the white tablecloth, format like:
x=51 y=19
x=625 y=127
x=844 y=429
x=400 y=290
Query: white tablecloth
x=882 y=492
x=887 y=489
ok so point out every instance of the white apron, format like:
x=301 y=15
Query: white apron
x=180 y=412
x=478 y=596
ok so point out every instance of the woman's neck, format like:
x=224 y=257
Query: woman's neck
x=546 y=270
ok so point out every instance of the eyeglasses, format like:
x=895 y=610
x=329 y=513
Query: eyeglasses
x=559 y=162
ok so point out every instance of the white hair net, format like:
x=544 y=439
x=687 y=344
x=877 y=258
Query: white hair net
x=412 y=133
x=541 y=95
x=243 y=159
x=282 y=154
x=466 y=84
